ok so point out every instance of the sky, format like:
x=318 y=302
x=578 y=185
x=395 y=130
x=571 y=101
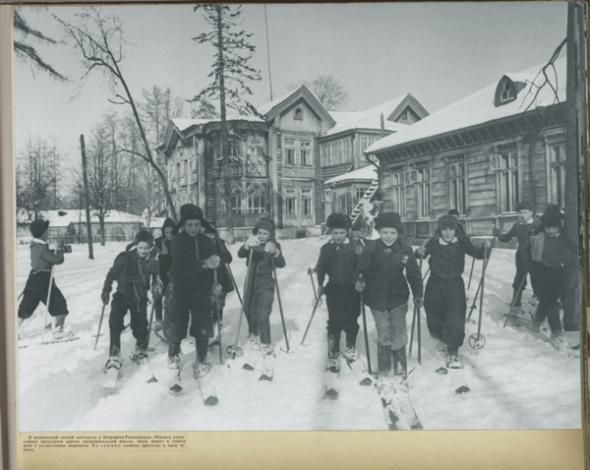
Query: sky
x=439 y=52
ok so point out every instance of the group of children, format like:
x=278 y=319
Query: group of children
x=189 y=267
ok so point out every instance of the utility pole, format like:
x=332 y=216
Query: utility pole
x=85 y=175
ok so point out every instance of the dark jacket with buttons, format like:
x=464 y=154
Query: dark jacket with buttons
x=132 y=274
x=188 y=255
x=339 y=262
x=447 y=260
x=383 y=269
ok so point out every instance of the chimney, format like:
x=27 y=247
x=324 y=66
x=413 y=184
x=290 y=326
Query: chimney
x=382 y=122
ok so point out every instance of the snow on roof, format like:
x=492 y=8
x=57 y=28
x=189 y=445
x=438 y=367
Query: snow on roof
x=479 y=108
x=183 y=124
x=367 y=173
x=266 y=107
x=369 y=118
x=77 y=215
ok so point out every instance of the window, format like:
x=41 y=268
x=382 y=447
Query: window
x=256 y=199
x=359 y=193
x=507 y=179
x=290 y=203
x=289 y=152
x=398 y=192
x=506 y=91
x=422 y=191
x=178 y=174
x=306 y=202
x=298 y=114
x=456 y=178
x=556 y=161
x=306 y=154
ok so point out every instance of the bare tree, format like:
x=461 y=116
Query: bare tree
x=26 y=51
x=38 y=176
x=99 y=39
x=204 y=109
x=328 y=90
x=230 y=75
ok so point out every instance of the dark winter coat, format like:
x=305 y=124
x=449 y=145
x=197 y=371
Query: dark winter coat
x=132 y=273
x=447 y=260
x=188 y=255
x=165 y=255
x=260 y=273
x=339 y=262
x=523 y=233
x=553 y=252
x=383 y=269
x=42 y=258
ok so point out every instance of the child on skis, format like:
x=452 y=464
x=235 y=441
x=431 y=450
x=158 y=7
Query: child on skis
x=444 y=298
x=265 y=254
x=385 y=268
x=550 y=251
x=164 y=246
x=41 y=280
x=224 y=279
x=191 y=284
x=135 y=271
x=522 y=230
x=339 y=261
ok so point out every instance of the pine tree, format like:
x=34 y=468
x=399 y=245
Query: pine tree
x=230 y=74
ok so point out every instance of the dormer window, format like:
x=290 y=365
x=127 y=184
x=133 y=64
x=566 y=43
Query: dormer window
x=298 y=114
x=507 y=91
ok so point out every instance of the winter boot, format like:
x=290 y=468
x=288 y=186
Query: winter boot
x=60 y=321
x=384 y=360
x=175 y=372
x=333 y=351
x=400 y=363
x=59 y=331
x=200 y=369
x=350 y=353
x=140 y=353
x=114 y=361
x=453 y=361
x=253 y=343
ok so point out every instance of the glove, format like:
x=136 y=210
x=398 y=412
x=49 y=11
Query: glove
x=105 y=297
x=321 y=291
x=360 y=285
x=271 y=249
x=418 y=302
x=212 y=262
x=420 y=251
x=252 y=242
x=217 y=289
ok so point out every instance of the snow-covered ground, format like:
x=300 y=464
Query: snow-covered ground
x=516 y=380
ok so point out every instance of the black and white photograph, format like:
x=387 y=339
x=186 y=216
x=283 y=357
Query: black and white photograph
x=299 y=217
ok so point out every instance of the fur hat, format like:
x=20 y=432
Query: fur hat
x=338 y=220
x=168 y=223
x=389 y=220
x=524 y=205
x=264 y=223
x=38 y=227
x=447 y=221
x=189 y=212
x=552 y=217
x=143 y=236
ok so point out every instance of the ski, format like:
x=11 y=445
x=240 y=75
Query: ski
x=175 y=376
x=66 y=339
x=206 y=387
x=394 y=416
x=266 y=368
x=143 y=362
x=359 y=370
x=332 y=373
x=112 y=371
x=457 y=378
x=402 y=392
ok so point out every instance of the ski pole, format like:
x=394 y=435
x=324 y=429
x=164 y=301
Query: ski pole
x=315 y=293
x=474 y=303
x=513 y=302
x=99 y=325
x=416 y=313
x=234 y=283
x=315 y=306
x=471 y=273
x=477 y=341
x=427 y=271
x=274 y=272
x=234 y=349
x=218 y=316
x=49 y=288
x=365 y=332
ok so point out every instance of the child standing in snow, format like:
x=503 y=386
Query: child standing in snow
x=259 y=293
x=339 y=261
x=164 y=246
x=37 y=287
x=385 y=268
x=191 y=285
x=444 y=298
x=134 y=270
x=223 y=277
x=549 y=251
x=522 y=230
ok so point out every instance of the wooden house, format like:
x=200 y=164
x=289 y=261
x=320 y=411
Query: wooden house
x=480 y=155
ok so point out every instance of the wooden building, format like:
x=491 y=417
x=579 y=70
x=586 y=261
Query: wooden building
x=480 y=155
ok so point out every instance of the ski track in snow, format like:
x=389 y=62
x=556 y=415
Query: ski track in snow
x=516 y=380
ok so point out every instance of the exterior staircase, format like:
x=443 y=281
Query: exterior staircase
x=371 y=190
